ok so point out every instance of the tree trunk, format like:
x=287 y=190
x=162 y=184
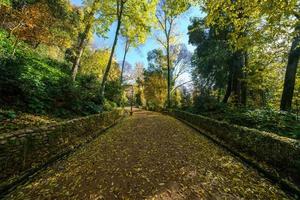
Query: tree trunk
x=127 y=46
x=82 y=41
x=77 y=59
x=219 y=94
x=263 y=101
x=229 y=87
x=244 y=88
x=238 y=65
x=290 y=75
x=107 y=70
x=244 y=91
x=169 y=73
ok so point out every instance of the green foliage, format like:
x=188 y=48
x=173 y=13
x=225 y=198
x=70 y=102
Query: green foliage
x=176 y=99
x=109 y=105
x=7 y=114
x=41 y=85
x=269 y=120
x=186 y=98
x=5 y=44
x=5 y=2
x=114 y=92
x=211 y=59
x=155 y=90
x=52 y=22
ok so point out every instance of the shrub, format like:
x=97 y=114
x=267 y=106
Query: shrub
x=270 y=120
x=35 y=84
x=109 y=105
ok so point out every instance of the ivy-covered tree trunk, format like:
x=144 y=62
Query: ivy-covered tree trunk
x=290 y=75
x=107 y=70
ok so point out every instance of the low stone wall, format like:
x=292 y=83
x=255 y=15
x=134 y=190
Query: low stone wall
x=24 y=150
x=277 y=155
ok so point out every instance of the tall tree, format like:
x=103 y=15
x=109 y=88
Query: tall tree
x=285 y=16
x=139 y=79
x=167 y=13
x=89 y=19
x=126 y=49
x=119 y=13
x=127 y=12
x=181 y=64
x=291 y=72
x=94 y=63
x=259 y=16
x=180 y=59
x=212 y=60
x=134 y=35
x=96 y=20
x=155 y=90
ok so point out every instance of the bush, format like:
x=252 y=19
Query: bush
x=205 y=103
x=270 y=120
x=35 y=84
x=109 y=105
x=7 y=114
x=114 y=91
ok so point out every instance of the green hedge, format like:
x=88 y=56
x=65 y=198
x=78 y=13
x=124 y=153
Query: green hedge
x=278 y=155
x=24 y=150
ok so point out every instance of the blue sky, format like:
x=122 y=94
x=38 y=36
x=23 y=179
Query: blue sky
x=139 y=54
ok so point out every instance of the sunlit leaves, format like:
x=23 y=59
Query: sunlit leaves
x=155 y=90
x=36 y=23
x=248 y=19
x=94 y=63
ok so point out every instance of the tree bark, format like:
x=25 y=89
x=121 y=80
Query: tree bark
x=229 y=86
x=127 y=46
x=238 y=65
x=290 y=75
x=83 y=40
x=107 y=70
x=169 y=73
x=244 y=88
x=263 y=101
x=244 y=91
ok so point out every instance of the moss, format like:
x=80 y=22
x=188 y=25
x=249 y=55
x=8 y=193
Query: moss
x=279 y=152
x=39 y=145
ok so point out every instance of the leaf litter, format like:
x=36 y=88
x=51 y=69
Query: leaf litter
x=149 y=156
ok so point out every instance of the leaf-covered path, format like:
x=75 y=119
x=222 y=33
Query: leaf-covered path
x=149 y=156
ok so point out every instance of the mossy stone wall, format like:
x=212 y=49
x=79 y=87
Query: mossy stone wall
x=27 y=149
x=275 y=154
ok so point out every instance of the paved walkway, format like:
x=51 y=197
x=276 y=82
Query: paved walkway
x=149 y=156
